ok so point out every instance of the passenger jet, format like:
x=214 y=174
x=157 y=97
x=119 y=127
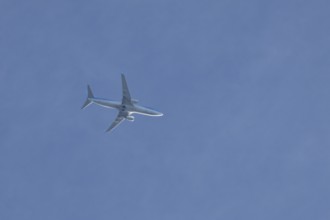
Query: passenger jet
x=126 y=107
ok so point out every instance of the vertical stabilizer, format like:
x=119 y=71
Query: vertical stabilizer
x=90 y=96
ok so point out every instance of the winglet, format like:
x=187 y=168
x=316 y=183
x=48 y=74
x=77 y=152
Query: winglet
x=90 y=96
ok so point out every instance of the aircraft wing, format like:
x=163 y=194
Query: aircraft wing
x=117 y=121
x=126 y=95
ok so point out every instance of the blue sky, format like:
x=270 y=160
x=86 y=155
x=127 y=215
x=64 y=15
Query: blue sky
x=244 y=86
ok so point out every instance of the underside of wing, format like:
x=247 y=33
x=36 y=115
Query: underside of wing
x=126 y=94
x=118 y=120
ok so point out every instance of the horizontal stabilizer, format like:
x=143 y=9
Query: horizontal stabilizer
x=87 y=103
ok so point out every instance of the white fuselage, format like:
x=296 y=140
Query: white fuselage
x=129 y=108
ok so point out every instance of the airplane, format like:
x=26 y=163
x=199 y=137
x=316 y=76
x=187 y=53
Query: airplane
x=126 y=107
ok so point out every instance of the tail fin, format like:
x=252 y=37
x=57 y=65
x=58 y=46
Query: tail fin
x=89 y=97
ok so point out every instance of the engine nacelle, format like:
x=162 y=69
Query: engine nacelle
x=134 y=101
x=130 y=118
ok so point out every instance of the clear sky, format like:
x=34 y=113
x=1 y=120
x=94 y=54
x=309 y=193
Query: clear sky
x=244 y=86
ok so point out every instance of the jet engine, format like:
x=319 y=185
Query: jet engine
x=130 y=118
x=134 y=101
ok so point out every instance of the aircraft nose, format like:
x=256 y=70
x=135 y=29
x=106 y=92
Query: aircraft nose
x=153 y=112
x=159 y=114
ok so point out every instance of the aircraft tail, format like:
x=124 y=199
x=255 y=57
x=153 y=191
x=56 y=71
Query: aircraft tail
x=90 y=96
